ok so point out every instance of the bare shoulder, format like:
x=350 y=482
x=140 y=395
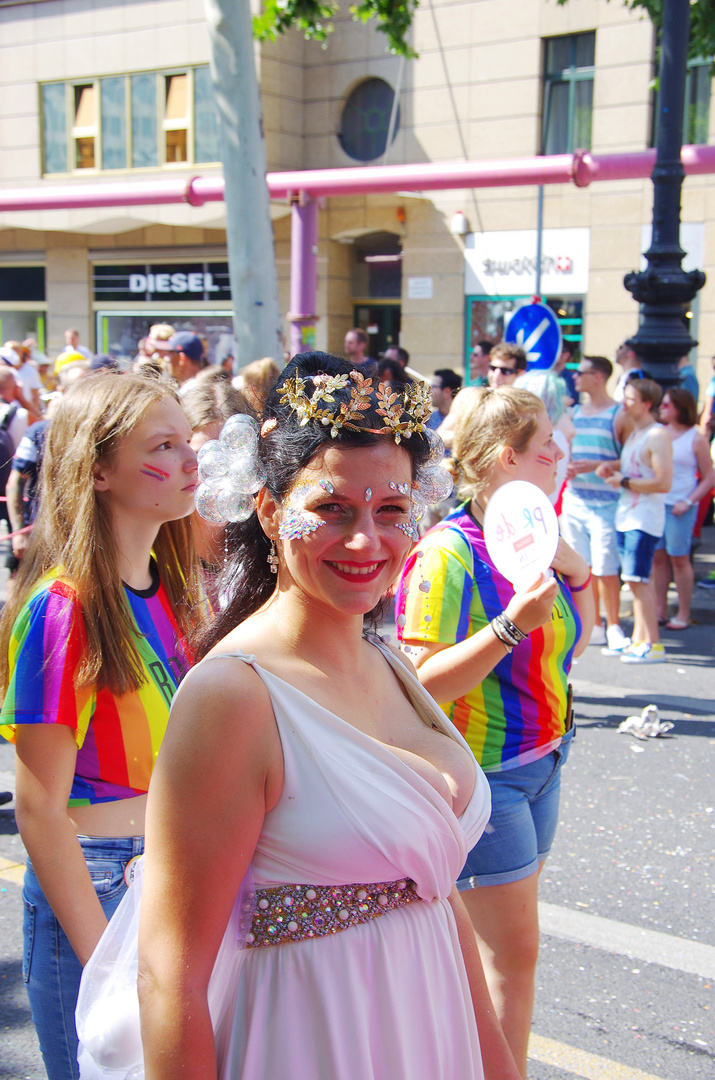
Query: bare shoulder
x=659 y=438
x=222 y=689
x=700 y=444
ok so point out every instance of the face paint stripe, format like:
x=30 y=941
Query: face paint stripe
x=151 y=470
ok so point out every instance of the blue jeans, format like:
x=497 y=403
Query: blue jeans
x=521 y=829
x=49 y=966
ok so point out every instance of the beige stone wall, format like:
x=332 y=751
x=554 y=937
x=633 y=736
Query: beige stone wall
x=58 y=39
x=474 y=92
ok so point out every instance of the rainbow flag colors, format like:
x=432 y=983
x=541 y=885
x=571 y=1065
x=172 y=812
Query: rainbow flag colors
x=518 y=713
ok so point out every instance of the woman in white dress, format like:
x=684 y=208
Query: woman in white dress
x=305 y=753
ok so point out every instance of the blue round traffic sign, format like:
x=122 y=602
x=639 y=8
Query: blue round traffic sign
x=536 y=329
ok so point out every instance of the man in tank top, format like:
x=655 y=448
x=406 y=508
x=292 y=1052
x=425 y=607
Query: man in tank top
x=589 y=504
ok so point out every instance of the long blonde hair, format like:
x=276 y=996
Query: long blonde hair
x=73 y=532
x=495 y=418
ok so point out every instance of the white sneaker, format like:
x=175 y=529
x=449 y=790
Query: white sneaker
x=598 y=635
x=619 y=650
x=616 y=639
x=645 y=654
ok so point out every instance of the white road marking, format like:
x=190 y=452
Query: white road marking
x=650 y=946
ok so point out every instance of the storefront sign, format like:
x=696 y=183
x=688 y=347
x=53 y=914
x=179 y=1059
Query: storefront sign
x=504 y=263
x=151 y=282
x=172 y=283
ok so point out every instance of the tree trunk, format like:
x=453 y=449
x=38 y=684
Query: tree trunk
x=251 y=257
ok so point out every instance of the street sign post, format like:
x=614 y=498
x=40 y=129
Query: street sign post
x=536 y=329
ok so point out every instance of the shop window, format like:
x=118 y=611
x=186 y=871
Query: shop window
x=365 y=122
x=137 y=121
x=696 y=113
x=488 y=317
x=84 y=129
x=567 y=104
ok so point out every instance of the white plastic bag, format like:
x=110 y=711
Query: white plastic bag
x=107 y=1015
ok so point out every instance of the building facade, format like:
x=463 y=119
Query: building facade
x=119 y=90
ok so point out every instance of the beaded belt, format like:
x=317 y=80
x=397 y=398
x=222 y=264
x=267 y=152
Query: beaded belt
x=296 y=912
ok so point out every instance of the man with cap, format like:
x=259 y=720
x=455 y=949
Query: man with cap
x=185 y=352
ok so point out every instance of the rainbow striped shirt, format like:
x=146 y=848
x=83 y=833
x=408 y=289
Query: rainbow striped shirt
x=118 y=738
x=517 y=714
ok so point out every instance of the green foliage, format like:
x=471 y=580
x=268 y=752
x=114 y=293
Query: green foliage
x=702 y=23
x=314 y=19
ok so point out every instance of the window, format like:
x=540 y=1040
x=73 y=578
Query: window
x=696 y=113
x=697 y=102
x=84 y=130
x=138 y=121
x=365 y=121
x=568 y=93
x=176 y=117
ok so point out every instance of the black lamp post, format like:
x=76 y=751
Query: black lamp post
x=664 y=287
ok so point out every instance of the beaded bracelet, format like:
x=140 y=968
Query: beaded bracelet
x=580 y=588
x=506 y=630
x=511 y=628
x=495 y=629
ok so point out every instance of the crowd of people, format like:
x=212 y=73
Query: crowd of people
x=352 y=887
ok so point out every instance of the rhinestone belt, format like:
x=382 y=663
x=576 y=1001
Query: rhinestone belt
x=296 y=912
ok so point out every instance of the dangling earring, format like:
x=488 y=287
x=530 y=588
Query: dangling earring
x=273 y=558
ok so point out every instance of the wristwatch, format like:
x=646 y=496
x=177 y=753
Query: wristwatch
x=625 y=481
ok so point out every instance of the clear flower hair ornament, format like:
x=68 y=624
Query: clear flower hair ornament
x=231 y=474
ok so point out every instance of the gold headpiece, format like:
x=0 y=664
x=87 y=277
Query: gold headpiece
x=414 y=402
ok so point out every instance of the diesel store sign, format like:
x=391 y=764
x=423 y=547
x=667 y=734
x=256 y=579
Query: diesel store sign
x=162 y=281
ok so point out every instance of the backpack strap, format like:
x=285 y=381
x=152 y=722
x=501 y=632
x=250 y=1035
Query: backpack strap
x=9 y=416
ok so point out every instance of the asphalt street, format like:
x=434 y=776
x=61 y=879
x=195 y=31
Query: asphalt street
x=627 y=969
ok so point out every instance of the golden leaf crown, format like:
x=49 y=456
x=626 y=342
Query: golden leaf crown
x=404 y=413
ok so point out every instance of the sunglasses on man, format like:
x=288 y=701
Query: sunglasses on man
x=504 y=370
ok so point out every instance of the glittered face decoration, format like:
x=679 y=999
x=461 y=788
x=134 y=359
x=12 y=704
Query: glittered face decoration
x=297 y=522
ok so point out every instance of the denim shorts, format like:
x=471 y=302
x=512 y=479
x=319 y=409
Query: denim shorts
x=592 y=533
x=50 y=969
x=635 y=550
x=522 y=826
x=678 y=536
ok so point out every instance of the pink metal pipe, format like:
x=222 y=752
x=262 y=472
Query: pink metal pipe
x=303 y=274
x=558 y=169
x=581 y=168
